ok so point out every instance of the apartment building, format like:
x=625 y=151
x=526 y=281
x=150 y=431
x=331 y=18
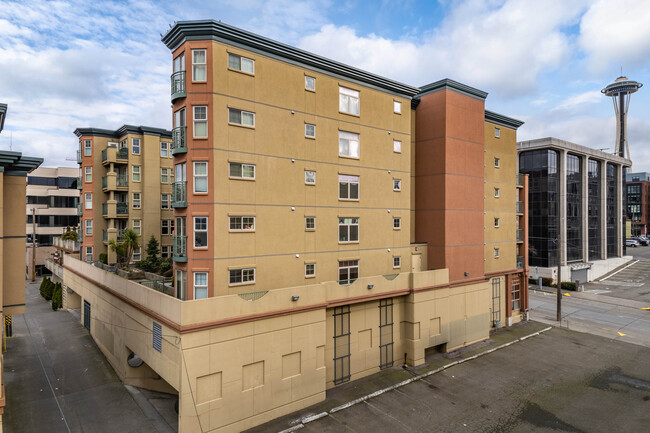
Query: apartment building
x=638 y=202
x=14 y=167
x=328 y=223
x=126 y=183
x=52 y=200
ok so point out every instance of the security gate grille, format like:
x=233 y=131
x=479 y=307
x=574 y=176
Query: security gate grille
x=157 y=336
x=496 y=302
x=341 y=344
x=385 y=333
x=87 y=315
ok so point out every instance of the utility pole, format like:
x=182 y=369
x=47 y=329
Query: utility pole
x=33 y=244
x=559 y=280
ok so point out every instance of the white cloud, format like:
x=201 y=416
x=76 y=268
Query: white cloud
x=590 y=97
x=616 y=33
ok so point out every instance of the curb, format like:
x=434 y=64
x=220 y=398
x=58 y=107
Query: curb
x=311 y=418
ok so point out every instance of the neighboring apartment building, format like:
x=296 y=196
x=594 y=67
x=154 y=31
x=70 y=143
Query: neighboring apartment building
x=126 y=183
x=52 y=199
x=638 y=202
x=329 y=223
x=576 y=193
x=13 y=172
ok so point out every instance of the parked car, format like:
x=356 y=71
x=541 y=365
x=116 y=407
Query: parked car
x=631 y=243
x=642 y=240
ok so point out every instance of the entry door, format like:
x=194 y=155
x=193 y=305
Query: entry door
x=416 y=263
x=87 y=315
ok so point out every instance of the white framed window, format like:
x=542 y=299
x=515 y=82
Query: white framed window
x=199 y=65
x=88 y=148
x=89 y=254
x=310 y=223
x=497 y=162
x=397 y=262
x=348 y=271
x=397 y=184
x=200 y=176
x=164 y=201
x=241 y=171
x=136 y=200
x=496 y=192
x=179 y=63
x=397 y=107
x=310 y=270
x=496 y=222
x=135 y=146
x=135 y=173
x=310 y=177
x=497 y=132
x=496 y=253
x=310 y=130
x=397 y=223
x=164 y=149
x=239 y=63
x=200 y=121
x=88 y=202
x=164 y=175
x=348 y=187
x=89 y=227
x=310 y=83
x=348 y=101
x=179 y=118
x=137 y=254
x=200 y=232
x=241 y=276
x=137 y=227
x=124 y=144
x=200 y=285
x=88 y=174
x=180 y=282
x=241 y=223
x=348 y=144
x=165 y=227
x=164 y=251
x=348 y=230
x=397 y=146
x=241 y=117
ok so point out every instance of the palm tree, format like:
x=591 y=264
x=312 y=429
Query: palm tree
x=124 y=250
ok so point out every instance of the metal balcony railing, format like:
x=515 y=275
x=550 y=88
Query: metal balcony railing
x=122 y=208
x=520 y=235
x=520 y=207
x=104 y=182
x=520 y=180
x=104 y=236
x=122 y=181
x=178 y=85
x=179 y=194
x=80 y=209
x=180 y=248
x=123 y=153
x=120 y=235
x=80 y=184
x=179 y=143
x=104 y=155
x=78 y=156
x=104 y=209
x=520 y=262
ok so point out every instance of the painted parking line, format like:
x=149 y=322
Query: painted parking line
x=609 y=276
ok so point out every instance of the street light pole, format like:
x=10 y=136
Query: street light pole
x=33 y=244
x=559 y=280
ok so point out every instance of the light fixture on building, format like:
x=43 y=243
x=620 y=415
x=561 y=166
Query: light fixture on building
x=294 y=298
x=297 y=255
x=370 y=286
x=466 y=273
x=293 y=208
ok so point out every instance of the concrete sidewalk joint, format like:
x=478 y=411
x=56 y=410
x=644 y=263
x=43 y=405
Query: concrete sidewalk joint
x=351 y=403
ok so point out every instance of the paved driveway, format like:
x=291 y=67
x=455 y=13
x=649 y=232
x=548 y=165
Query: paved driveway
x=57 y=380
x=631 y=282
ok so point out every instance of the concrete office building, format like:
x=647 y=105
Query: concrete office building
x=126 y=182
x=329 y=223
x=52 y=199
x=13 y=171
x=638 y=202
x=576 y=194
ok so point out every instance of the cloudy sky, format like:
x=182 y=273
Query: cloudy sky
x=74 y=63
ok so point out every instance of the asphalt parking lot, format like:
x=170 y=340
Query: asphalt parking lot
x=558 y=381
x=631 y=282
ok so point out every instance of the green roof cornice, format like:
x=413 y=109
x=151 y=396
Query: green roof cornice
x=122 y=131
x=183 y=31
x=16 y=162
x=500 y=119
x=449 y=84
x=3 y=114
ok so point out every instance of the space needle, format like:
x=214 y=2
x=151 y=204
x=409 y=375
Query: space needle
x=621 y=90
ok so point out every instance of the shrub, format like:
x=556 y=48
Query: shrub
x=568 y=285
x=547 y=282
x=44 y=283
x=103 y=257
x=57 y=297
x=49 y=288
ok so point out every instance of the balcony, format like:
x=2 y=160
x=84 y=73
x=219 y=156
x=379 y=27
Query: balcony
x=520 y=180
x=178 y=85
x=122 y=208
x=80 y=210
x=105 y=210
x=115 y=155
x=520 y=207
x=78 y=156
x=520 y=235
x=120 y=235
x=112 y=182
x=179 y=194
x=104 y=182
x=104 y=236
x=180 y=248
x=122 y=181
x=520 y=262
x=179 y=144
x=80 y=184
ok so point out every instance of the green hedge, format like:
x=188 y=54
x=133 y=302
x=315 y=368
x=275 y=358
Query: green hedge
x=47 y=287
x=57 y=297
x=568 y=285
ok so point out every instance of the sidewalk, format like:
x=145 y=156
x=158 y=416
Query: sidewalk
x=57 y=380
